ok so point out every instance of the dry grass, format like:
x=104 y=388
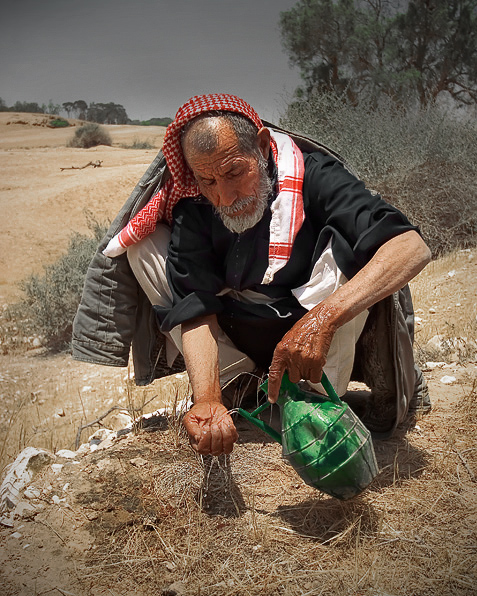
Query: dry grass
x=47 y=398
x=246 y=525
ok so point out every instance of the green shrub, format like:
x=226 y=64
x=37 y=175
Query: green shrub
x=138 y=144
x=58 y=123
x=90 y=135
x=51 y=299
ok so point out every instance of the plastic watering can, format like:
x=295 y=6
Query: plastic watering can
x=322 y=438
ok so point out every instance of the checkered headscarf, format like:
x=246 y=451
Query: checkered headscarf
x=183 y=184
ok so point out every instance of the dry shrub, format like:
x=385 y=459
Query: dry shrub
x=439 y=197
x=90 y=135
x=51 y=300
x=421 y=159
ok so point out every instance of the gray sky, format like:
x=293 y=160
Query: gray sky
x=148 y=55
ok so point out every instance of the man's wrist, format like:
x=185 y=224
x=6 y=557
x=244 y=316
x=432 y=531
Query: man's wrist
x=201 y=398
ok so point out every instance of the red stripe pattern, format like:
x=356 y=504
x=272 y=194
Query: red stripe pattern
x=287 y=209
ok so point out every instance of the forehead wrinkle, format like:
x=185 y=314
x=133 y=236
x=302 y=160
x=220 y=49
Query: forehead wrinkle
x=220 y=161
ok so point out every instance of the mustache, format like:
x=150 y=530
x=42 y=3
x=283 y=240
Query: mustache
x=236 y=206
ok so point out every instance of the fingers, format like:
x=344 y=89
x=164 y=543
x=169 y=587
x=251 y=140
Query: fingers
x=211 y=430
x=275 y=374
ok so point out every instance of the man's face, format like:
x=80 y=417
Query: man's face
x=236 y=184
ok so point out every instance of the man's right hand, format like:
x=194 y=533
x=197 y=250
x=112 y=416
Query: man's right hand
x=210 y=428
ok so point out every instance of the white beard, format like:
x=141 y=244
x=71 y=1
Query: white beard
x=241 y=223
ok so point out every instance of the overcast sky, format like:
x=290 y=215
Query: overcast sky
x=148 y=55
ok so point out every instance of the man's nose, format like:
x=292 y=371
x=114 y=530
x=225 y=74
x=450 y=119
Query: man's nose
x=226 y=194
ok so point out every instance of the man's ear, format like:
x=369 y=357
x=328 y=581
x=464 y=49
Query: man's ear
x=263 y=137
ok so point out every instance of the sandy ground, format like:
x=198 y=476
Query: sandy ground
x=62 y=549
x=42 y=205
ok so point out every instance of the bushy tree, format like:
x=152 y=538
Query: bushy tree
x=436 y=46
x=107 y=113
x=412 y=48
x=80 y=107
x=27 y=106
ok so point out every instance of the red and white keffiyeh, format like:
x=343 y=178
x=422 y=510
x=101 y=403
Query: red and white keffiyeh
x=287 y=209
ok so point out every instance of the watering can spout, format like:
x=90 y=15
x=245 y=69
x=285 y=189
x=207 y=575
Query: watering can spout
x=324 y=441
x=252 y=417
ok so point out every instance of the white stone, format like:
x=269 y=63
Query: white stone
x=451 y=273
x=23 y=508
x=101 y=434
x=83 y=449
x=7 y=521
x=66 y=454
x=16 y=535
x=138 y=462
x=20 y=473
x=32 y=493
x=119 y=421
x=56 y=468
x=435 y=342
x=448 y=379
x=108 y=441
x=433 y=365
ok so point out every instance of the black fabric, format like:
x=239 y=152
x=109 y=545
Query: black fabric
x=205 y=257
x=256 y=329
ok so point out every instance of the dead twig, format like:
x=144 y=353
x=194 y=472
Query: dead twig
x=465 y=464
x=94 y=164
x=98 y=420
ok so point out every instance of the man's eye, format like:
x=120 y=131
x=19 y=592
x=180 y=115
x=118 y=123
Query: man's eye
x=207 y=182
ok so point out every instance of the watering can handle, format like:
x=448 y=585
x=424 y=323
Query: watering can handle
x=252 y=416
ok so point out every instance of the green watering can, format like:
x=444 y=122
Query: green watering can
x=323 y=439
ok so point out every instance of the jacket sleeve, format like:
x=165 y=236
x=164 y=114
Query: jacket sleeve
x=113 y=308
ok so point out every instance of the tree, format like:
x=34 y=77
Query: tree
x=404 y=48
x=25 y=106
x=67 y=107
x=51 y=108
x=107 y=113
x=317 y=35
x=438 y=44
x=80 y=107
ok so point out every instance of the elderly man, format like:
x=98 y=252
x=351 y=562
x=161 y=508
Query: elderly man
x=272 y=256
